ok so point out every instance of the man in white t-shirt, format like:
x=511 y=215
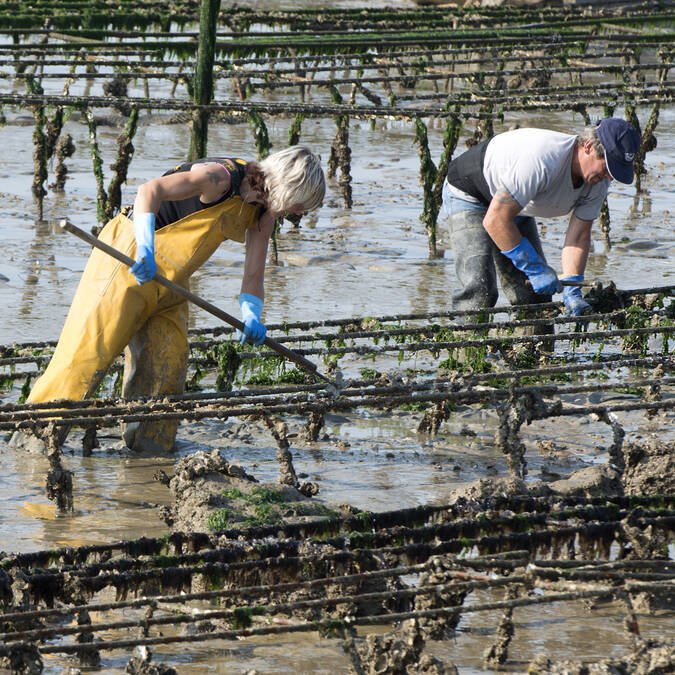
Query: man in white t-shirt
x=493 y=191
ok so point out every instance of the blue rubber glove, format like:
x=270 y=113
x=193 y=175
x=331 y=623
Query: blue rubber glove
x=251 y=309
x=542 y=277
x=145 y=266
x=575 y=305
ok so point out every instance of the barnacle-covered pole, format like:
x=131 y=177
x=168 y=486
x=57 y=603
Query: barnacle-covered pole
x=603 y=218
x=340 y=152
x=40 y=151
x=125 y=151
x=260 y=134
x=101 y=196
x=341 y=155
x=203 y=87
x=453 y=128
x=39 y=158
x=294 y=131
x=428 y=174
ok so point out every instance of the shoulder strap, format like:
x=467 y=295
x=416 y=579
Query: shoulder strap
x=236 y=167
x=466 y=173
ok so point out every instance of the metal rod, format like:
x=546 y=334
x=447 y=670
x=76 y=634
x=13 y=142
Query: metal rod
x=567 y=282
x=195 y=299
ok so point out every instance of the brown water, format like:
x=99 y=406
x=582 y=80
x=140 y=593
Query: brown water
x=368 y=261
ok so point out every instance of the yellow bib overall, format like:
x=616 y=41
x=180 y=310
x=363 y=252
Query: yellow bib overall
x=111 y=311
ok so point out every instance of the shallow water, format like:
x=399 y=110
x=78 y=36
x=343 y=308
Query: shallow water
x=371 y=260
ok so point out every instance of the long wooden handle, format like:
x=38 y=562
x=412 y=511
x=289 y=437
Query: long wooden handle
x=200 y=302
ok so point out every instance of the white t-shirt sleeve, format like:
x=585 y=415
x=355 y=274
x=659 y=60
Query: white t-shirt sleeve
x=524 y=179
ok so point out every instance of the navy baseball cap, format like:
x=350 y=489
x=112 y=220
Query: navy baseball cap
x=621 y=144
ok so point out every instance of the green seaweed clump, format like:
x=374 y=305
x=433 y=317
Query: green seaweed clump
x=228 y=359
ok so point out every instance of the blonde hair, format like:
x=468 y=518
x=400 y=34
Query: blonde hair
x=293 y=176
x=590 y=133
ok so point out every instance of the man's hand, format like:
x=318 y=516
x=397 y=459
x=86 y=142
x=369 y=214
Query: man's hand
x=251 y=309
x=145 y=266
x=575 y=305
x=542 y=277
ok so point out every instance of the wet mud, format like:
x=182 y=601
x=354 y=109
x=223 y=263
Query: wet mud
x=201 y=481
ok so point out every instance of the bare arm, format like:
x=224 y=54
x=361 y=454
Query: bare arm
x=208 y=181
x=257 y=239
x=498 y=221
x=576 y=246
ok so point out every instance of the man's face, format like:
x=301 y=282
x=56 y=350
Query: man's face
x=593 y=167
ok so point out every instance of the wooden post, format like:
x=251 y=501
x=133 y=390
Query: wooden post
x=203 y=80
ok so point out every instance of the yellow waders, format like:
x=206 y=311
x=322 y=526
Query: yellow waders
x=110 y=311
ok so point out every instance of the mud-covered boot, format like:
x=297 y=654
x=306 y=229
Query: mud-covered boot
x=474 y=251
x=155 y=364
x=153 y=437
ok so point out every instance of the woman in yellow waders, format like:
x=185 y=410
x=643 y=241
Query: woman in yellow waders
x=179 y=220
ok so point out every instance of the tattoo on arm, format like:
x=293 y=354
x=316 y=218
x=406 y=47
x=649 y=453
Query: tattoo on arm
x=503 y=196
x=214 y=176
